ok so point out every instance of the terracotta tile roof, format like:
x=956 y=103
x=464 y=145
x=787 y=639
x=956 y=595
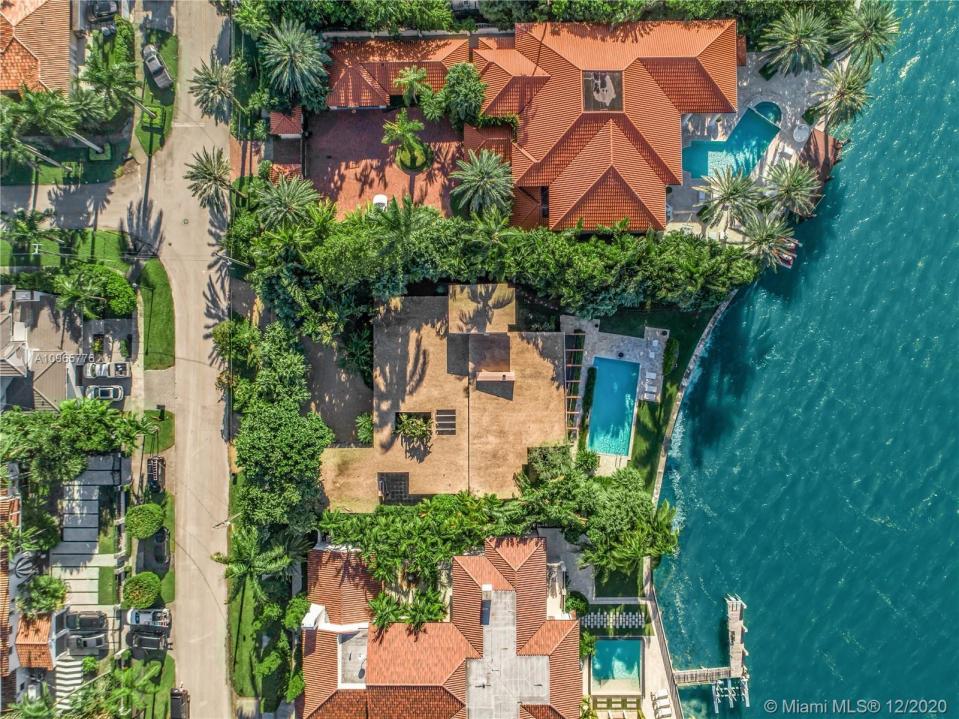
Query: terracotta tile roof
x=661 y=69
x=498 y=138
x=522 y=561
x=35 y=44
x=363 y=72
x=397 y=656
x=340 y=582
x=33 y=636
x=548 y=637
x=527 y=210
x=287 y=123
x=412 y=703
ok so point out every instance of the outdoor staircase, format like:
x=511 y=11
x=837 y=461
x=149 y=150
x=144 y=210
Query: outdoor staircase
x=69 y=676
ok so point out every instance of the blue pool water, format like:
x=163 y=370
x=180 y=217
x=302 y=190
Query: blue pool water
x=815 y=466
x=769 y=110
x=614 y=400
x=617 y=659
x=741 y=151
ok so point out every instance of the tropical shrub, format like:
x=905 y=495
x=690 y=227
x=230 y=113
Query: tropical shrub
x=670 y=355
x=295 y=611
x=576 y=602
x=462 y=95
x=414 y=427
x=141 y=591
x=95 y=291
x=42 y=594
x=144 y=520
x=587 y=644
x=295 y=686
x=89 y=665
x=364 y=428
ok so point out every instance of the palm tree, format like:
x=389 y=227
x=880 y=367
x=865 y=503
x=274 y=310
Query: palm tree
x=126 y=695
x=284 y=244
x=116 y=82
x=52 y=113
x=797 y=41
x=247 y=563
x=293 y=57
x=427 y=606
x=402 y=131
x=386 y=610
x=78 y=290
x=485 y=182
x=212 y=86
x=664 y=538
x=89 y=105
x=15 y=539
x=39 y=708
x=209 y=176
x=629 y=556
x=412 y=80
x=22 y=228
x=287 y=201
x=770 y=238
x=795 y=187
x=730 y=196
x=12 y=148
x=868 y=31
x=842 y=92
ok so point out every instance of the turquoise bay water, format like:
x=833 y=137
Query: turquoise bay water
x=614 y=401
x=740 y=151
x=816 y=463
x=616 y=659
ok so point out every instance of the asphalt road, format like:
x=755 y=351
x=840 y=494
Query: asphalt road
x=154 y=205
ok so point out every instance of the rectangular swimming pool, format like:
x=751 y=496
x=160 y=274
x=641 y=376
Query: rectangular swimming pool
x=614 y=401
x=744 y=147
x=617 y=660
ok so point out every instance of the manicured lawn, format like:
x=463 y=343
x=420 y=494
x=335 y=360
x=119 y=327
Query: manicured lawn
x=158 y=703
x=651 y=420
x=243 y=645
x=163 y=439
x=85 y=170
x=618 y=584
x=106 y=586
x=158 y=329
x=153 y=134
x=107 y=246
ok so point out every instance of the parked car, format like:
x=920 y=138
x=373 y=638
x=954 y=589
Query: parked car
x=148 y=642
x=83 y=645
x=102 y=10
x=161 y=547
x=179 y=703
x=152 y=618
x=84 y=622
x=154 y=63
x=99 y=370
x=109 y=392
x=156 y=474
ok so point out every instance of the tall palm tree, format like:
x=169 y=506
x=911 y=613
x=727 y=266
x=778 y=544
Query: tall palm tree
x=287 y=201
x=12 y=147
x=52 y=113
x=284 y=244
x=247 y=562
x=126 y=697
x=209 y=176
x=770 y=238
x=386 y=610
x=629 y=555
x=22 y=228
x=868 y=31
x=664 y=538
x=16 y=538
x=89 y=105
x=795 y=187
x=797 y=41
x=402 y=131
x=485 y=182
x=294 y=58
x=412 y=80
x=115 y=81
x=80 y=291
x=212 y=86
x=842 y=92
x=427 y=606
x=731 y=196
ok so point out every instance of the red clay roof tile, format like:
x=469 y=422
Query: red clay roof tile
x=340 y=582
x=398 y=656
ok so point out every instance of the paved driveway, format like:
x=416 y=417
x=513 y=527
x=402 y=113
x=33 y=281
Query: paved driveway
x=155 y=207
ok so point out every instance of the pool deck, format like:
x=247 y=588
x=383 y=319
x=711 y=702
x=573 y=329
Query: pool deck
x=792 y=93
x=647 y=351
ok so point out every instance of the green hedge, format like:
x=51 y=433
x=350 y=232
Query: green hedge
x=144 y=520
x=141 y=591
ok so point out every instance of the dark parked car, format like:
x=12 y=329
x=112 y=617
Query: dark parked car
x=179 y=703
x=161 y=547
x=156 y=474
x=148 y=642
x=154 y=63
x=82 y=622
x=102 y=10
